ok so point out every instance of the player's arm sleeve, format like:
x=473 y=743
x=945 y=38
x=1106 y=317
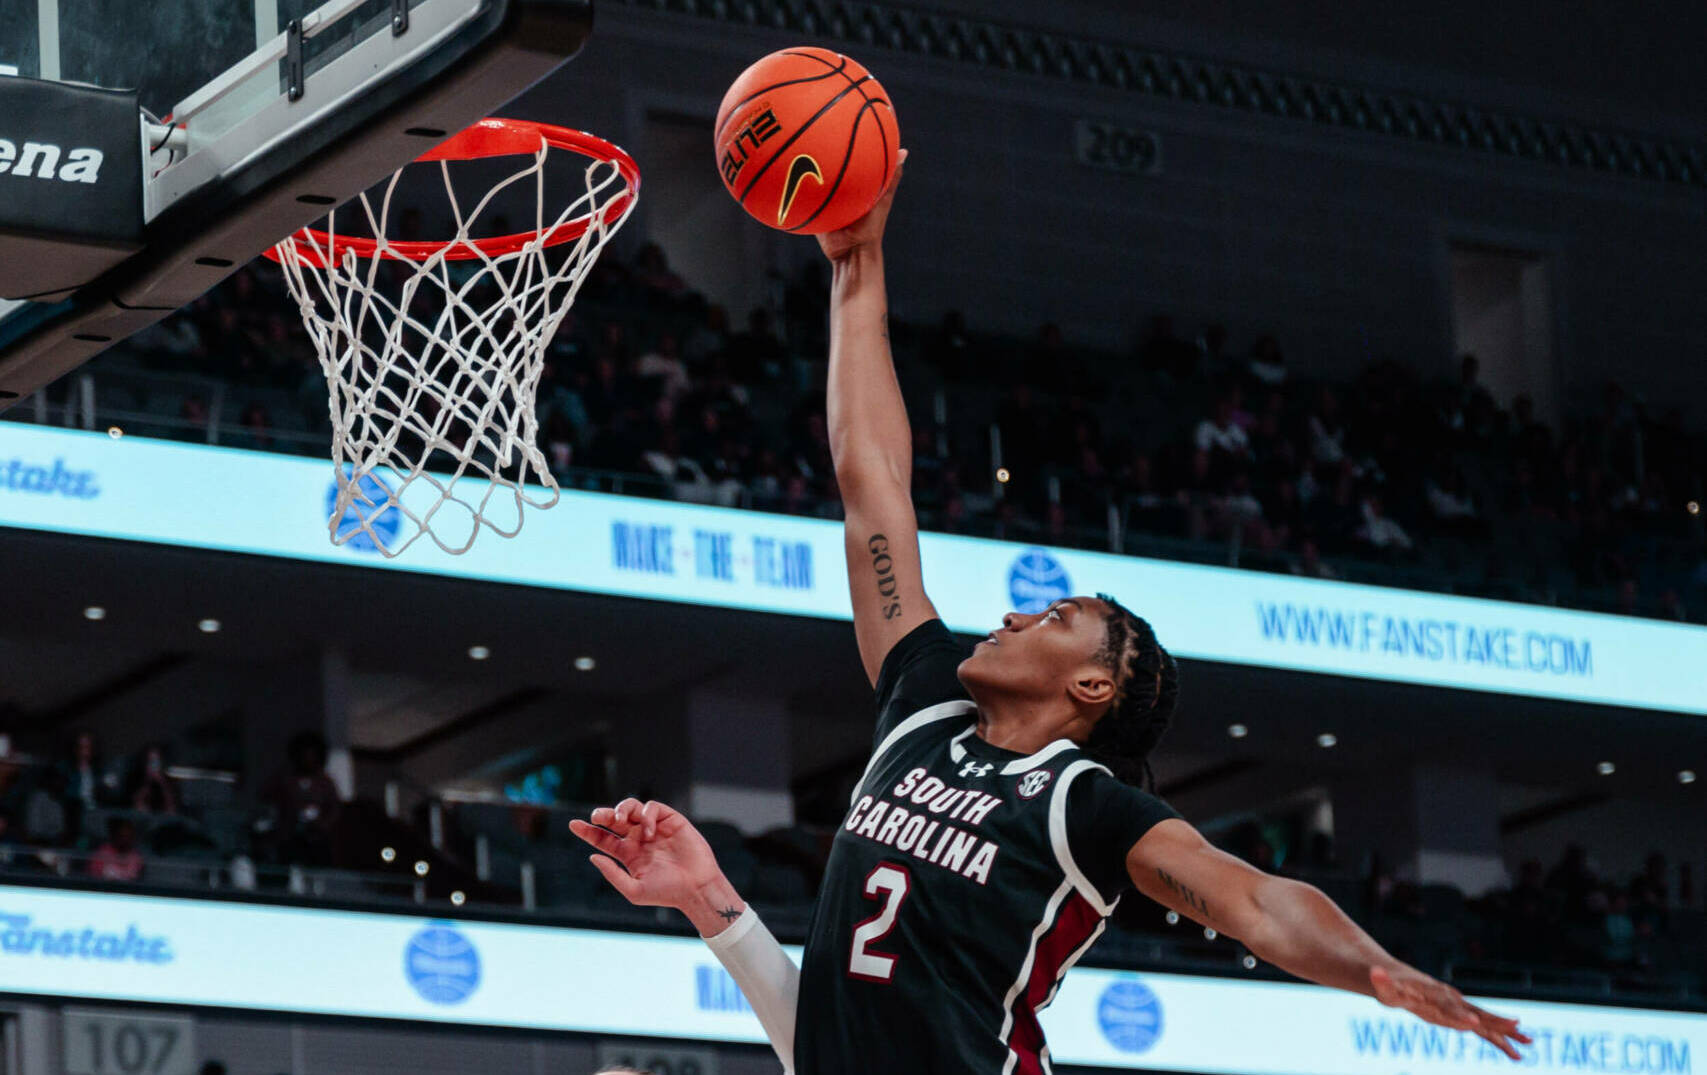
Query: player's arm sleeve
x=921 y=670
x=768 y=978
x=1104 y=820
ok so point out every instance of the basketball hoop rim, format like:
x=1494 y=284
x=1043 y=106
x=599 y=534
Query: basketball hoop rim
x=487 y=139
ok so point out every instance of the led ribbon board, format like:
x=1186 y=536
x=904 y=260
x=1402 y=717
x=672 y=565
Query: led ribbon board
x=275 y=505
x=205 y=953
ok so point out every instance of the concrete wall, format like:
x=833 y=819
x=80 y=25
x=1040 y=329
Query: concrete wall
x=1337 y=241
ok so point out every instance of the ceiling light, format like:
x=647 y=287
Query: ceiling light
x=1249 y=962
x=1606 y=768
x=478 y=653
x=1327 y=740
x=585 y=664
x=1238 y=731
x=115 y=432
x=388 y=854
x=421 y=867
x=1686 y=776
x=1002 y=475
x=458 y=898
x=94 y=612
x=208 y=626
x=1694 y=507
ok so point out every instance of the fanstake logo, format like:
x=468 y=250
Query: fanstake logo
x=442 y=964
x=41 y=160
x=1037 y=580
x=372 y=518
x=23 y=476
x=1130 y=1016
x=20 y=936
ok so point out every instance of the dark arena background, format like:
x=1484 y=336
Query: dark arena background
x=1362 y=348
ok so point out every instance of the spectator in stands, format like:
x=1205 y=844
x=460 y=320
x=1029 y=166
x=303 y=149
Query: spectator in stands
x=1629 y=598
x=152 y=790
x=663 y=365
x=1571 y=878
x=1267 y=364
x=192 y=418
x=257 y=429
x=806 y=308
x=950 y=348
x=709 y=338
x=1164 y=353
x=1379 y=531
x=305 y=803
x=1310 y=563
x=89 y=783
x=1212 y=356
x=1470 y=409
x=1220 y=433
x=117 y=859
x=46 y=820
x=1326 y=431
x=756 y=354
x=1450 y=503
x=652 y=271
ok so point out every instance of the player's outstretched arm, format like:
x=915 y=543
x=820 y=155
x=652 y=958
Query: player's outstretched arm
x=871 y=442
x=656 y=858
x=1297 y=928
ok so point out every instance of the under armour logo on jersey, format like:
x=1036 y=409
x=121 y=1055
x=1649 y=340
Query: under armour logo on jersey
x=1034 y=783
x=972 y=768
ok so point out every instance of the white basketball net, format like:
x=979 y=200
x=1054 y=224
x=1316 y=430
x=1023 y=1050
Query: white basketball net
x=434 y=364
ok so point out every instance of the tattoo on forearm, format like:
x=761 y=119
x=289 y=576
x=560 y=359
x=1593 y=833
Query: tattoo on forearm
x=729 y=914
x=1192 y=900
x=883 y=565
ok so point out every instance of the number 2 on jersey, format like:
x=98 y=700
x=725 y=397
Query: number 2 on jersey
x=889 y=883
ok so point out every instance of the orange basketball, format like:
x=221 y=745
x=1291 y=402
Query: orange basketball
x=806 y=140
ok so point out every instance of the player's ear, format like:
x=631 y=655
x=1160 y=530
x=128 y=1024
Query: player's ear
x=1092 y=685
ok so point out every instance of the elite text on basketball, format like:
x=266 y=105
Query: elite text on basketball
x=759 y=130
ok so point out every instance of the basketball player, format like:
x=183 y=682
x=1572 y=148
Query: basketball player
x=1000 y=818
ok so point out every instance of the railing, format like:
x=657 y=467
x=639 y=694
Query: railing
x=1564 y=982
x=237 y=876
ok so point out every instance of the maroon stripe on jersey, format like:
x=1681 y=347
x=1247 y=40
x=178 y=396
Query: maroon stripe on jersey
x=1074 y=924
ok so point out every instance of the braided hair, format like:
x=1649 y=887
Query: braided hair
x=1146 y=687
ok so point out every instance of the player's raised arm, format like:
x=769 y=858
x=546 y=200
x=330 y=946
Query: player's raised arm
x=1297 y=928
x=656 y=858
x=871 y=442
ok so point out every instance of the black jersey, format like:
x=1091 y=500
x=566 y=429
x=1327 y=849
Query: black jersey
x=964 y=882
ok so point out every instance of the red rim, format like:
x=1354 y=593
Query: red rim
x=485 y=139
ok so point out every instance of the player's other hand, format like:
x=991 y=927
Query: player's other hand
x=1438 y=1003
x=665 y=862
x=868 y=229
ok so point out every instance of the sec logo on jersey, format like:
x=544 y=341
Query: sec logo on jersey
x=1033 y=783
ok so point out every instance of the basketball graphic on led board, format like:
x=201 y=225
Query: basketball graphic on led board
x=806 y=140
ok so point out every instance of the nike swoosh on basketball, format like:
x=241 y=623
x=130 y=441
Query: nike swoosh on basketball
x=802 y=166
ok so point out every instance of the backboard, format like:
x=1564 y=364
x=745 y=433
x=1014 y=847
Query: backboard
x=255 y=116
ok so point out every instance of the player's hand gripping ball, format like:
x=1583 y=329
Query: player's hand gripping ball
x=807 y=140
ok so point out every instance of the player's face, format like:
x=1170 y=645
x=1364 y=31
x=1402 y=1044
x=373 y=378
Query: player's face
x=1039 y=654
